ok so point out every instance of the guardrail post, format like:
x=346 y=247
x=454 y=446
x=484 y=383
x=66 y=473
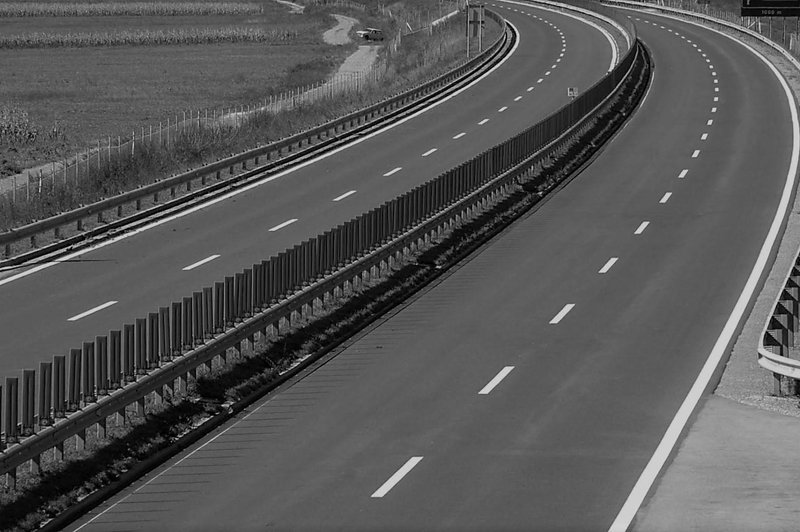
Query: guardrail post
x=129 y=352
x=186 y=323
x=176 y=313
x=208 y=312
x=10 y=416
x=198 y=338
x=74 y=382
x=28 y=401
x=219 y=307
x=230 y=302
x=248 y=293
x=164 y=348
x=140 y=347
x=152 y=340
x=238 y=302
x=59 y=386
x=45 y=394
x=257 y=290
x=101 y=364
x=88 y=373
x=115 y=359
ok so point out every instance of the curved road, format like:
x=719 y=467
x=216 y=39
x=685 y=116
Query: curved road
x=528 y=389
x=145 y=271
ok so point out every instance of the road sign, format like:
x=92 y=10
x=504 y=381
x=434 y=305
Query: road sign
x=770 y=8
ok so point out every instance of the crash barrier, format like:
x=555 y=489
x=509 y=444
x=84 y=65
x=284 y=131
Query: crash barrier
x=21 y=244
x=154 y=355
x=777 y=341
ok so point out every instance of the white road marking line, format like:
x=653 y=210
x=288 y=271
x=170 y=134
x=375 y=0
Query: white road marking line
x=695 y=154
x=483 y=121
x=343 y=196
x=561 y=54
x=716 y=98
x=459 y=136
x=607 y=266
x=713 y=73
x=704 y=136
x=704 y=55
x=547 y=73
x=392 y=171
x=502 y=109
x=539 y=80
x=284 y=224
x=665 y=197
x=716 y=81
x=678 y=424
x=553 y=65
x=563 y=312
x=694 y=44
x=496 y=380
x=530 y=89
x=683 y=173
x=518 y=98
x=713 y=109
x=716 y=89
x=709 y=122
x=98 y=308
x=712 y=68
x=432 y=150
x=397 y=477
x=200 y=263
x=699 y=49
x=641 y=228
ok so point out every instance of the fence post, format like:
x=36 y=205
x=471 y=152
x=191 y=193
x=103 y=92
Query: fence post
x=219 y=307
x=45 y=394
x=74 y=382
x=129 y=352
x=12 y=410
x=140 y=347
x=115 y=360
x=152 y=340
x=175 y=319
x=101 y=364
x=186 y=324
x=165 y=349
x=28 y=401
x=88 y=373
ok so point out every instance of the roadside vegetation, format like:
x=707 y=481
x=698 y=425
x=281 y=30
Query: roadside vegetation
x=116 y=9
x=125 y=94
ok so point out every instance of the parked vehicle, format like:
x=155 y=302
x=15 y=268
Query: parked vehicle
x=371 y=34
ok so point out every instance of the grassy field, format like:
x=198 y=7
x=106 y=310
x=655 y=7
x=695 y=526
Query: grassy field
x=83 y=94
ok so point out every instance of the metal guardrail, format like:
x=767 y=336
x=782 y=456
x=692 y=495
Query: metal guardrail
x=149 y=356
x=315 y=139
x=784 y=321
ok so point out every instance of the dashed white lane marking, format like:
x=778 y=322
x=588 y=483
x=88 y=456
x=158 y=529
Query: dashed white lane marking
x=343 y=196
x=539 y=80
x=710 y=122
x=397 y=477
x=547 y=73
x=715 y=81
x=713 y=73
x=704 y=136
x=683 y=173
x=432 y=150
x=392 y=171
x=284 y=224
x=459 y=136
x=553 y=65
x=496 y=380
x=502 y=109
x=695 y=154
x=561 y=54
x=200 y=263
x=518 y=98
x=641 y=228
x=483 y=121
x=607 y=266
x=713 y=109
x=563 y=312
x=716 y=98
x=98 y=308
x=716 y=89
x=530 y=89
x=665 y=197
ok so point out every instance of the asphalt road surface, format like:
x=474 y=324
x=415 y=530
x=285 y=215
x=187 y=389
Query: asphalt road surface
x=529 y=388
x=105 y=288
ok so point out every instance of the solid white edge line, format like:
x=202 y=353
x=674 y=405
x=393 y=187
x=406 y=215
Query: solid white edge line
x=607 y=266
x=288 y=171
x=200 y=263
x=98 y=308
x=676 y=427
x=397 y=477
x=343 y=196
x=486 y=390
x=641 y=228
x=284 y=224
x=561 y=313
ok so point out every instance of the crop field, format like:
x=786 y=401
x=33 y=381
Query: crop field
x=73 y=96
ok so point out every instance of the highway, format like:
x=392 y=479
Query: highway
x=529 y=388
x=46 y=312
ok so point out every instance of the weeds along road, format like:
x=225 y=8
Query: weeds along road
x=148 y=270
x=528 y=390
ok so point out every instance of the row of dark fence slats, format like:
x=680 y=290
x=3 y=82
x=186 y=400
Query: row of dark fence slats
x=111 y=361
